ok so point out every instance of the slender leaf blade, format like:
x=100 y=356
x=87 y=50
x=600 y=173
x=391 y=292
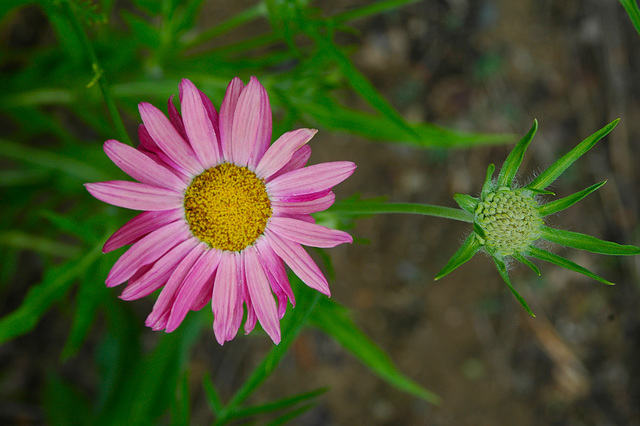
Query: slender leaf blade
x=566 y=202
x=549 y=176
x=586 y=242
x=634 y=13
x=553 y=258
x=502 y=270
x=467 y=250
x=514 y=159
x=522 y=259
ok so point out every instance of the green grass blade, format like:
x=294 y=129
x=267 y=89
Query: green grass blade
x=564 y=263
x=278 y=405
x=36 y=243
x=365 y=207
x=64 y=404
x=566 y=202
x=580 y=241
x=40 y=297
x=634 y=13
x=467 y=250
x=513 y=161
x=522 y=259
x=333 y=320
x=286 y=418
x=549 y=176
x=371 y=9
x=213 y=397
x=466 y=202
x=488 y=186
x=502 y=270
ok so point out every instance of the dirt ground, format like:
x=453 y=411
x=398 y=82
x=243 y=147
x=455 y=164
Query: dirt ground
x=482 y=66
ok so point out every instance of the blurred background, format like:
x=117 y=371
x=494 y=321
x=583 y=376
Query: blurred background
x=477 y=66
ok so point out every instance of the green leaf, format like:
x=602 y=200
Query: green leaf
x=565 y=263
x=333 y=320
x=360 y=207
x=142 y=30
x=522 y=259
x=488 y=185
x=466 y=202
x=180 y=406
x=40 y=297
x=213 y=398
x=286 y=418
x=566 y=202
x=278 y=405
x=467 y=250
x=634 y=13
x=36 y=243
x=549 y=176
x=587 y=242
x=65 y=405
x=513 y=161
x=371 y=9
x=502 y=270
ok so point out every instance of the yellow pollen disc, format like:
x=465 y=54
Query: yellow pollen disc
x=227 y=207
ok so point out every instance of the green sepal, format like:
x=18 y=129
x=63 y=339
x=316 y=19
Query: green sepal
x=479 y=233
x=502 y=269
x=566 y=202
x=580 y=241
x=467 y=250
x=547 y=177
x=565 y=263
x=539 y=191
x=520 y=258
x=513 y=161
x=488 y=184
x=466 y=202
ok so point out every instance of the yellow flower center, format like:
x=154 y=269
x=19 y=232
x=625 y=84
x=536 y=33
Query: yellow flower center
x=510 y=221
x=227 y=207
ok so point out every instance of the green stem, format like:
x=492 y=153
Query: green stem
x=347 y=207
x=98 y=74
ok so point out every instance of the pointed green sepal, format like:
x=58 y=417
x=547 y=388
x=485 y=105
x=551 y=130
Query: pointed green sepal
x=566 y=202
x=502 y=269
x=547 y=177
x=466 y=202
x=565 y=263
x=513 y=161
x=488 y=182
x=539 y=191
x=467 y=250
x=520 y=258
x=580 y=241
x=480 y=235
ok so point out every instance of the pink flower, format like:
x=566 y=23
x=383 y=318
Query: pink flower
x=223 y=211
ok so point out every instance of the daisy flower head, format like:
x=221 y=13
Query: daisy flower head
x=223 y=210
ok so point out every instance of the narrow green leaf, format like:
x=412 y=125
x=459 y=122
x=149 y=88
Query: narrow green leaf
x=564 y=263
x=278 y=405
x=64 y=404
x=634 y=13
x=365 y=207
x=467 y=250
x=286 y=418
x=466 y=202
x=40 y=297
x=142 y=30
x=502 y=270
x=513 y=161
x=180 y=405
x=549 y=176
x=36 y=243
x=333 y=320
x=522 y=259
x=488 y=185
x=215 y=403
x=370 y=9
x=580 y=241
x=566 y=202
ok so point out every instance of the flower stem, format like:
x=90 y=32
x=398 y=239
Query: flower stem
x=98 y=73
x=349 y=207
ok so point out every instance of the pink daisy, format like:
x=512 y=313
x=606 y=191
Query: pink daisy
x=223 y=211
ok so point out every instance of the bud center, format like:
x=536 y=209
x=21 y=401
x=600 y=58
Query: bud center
x=510 y=221
x=227 y=207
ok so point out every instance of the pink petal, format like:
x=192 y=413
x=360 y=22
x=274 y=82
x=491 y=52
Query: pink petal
x=303 y=207
x=299 y=261
x=274 y=267
x=191 y=288
x=176 y=118
x=227 y=110
x=149 y=148
x=159 y=316
x=139 y=226
x=225 y=299
x=280 y=153
x=211 y=112
x=134 y=195
x=308 y=234
x=140 y=167
x=298 y=161
x=159 y=273
x=312 y=179
x=168 y=139
x=251 y=129
x=198 y=126
x=147 y=251
x=260 y=293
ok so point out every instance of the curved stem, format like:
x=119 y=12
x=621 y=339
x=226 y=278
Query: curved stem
x=365 y=207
